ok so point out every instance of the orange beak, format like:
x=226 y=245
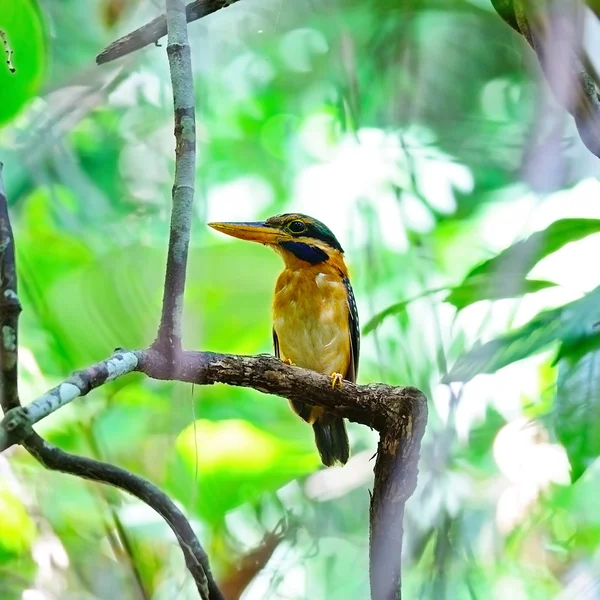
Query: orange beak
x=253 y=232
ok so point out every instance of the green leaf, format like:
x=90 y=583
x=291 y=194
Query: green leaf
x=233 y=462
x=521 y=343
x=504 y=275
x=17 y=529
x=577 y=403
x=378 y=319
x=577 y=411
x=517 y=260
x=473 y=289
x=21 y=22
x=488 y=286
x=576 y=325
x=582 y=327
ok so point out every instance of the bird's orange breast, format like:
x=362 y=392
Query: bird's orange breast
x=310 y=317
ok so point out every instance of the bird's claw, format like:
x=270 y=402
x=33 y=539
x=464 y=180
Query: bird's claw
x=287 y=361
x=336 y=378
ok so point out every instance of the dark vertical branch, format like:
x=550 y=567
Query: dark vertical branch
x=10 y=308
x=168 y=340
x=395 y=481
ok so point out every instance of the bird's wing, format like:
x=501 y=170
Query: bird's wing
x=275 y=344
x=352 y=371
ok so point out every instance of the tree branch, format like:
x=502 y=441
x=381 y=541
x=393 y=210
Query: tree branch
x=374 y=405
x=19 y=419
x=243 y=569
x=156 y=29
x=398 y=413
x=10 y=308
x=395 y=481
x=196 y=559
x=180 y=66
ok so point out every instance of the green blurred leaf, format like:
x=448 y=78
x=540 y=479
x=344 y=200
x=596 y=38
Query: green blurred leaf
x=577 y=411
x=478 y=453
x=17 y=529
x=486 y=286
x=504 y=275
x=21 y=22
x=236 y=462
x=577 y=403
x=525 y=341
x=576 y=325
x=582 y=327
x=513 y=264
x=489 y=286
x=377 y=320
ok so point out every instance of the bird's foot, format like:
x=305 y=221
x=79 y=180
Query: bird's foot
x=287 y=361
x=336 y=378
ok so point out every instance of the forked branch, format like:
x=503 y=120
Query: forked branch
x=398 y=413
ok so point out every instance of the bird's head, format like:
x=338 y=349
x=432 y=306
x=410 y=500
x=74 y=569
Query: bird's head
x=293 y=235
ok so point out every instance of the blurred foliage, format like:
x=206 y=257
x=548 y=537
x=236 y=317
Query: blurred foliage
x=24 y=55
x=414 y=131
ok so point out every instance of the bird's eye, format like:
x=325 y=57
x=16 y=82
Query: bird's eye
x=297 y=227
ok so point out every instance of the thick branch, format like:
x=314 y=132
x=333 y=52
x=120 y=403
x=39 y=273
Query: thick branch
x=180 y=66
x=398 y=413
x=371 y=405
x=395 y=481
x=374 y=405
x=156 y=29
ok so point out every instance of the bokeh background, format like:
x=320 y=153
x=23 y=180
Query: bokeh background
x=423 y=134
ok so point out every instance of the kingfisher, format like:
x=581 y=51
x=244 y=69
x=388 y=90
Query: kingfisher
x=315 y=319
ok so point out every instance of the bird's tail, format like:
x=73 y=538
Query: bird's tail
x=332 y=441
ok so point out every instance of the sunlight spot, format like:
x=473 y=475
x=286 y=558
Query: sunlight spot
x=531 y=463
x=238 y=200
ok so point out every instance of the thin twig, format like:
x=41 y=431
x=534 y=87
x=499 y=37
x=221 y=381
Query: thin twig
x=180 y=65
x=195 y=558
x=153 y=31
x=80 y=383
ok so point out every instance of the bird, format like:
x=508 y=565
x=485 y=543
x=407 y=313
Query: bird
x=315 y=318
